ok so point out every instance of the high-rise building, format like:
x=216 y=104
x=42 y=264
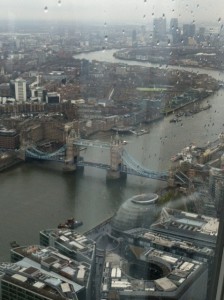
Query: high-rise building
x=188 y=32
x=174 y=30
x=159 y=29
x=173 y=25
x=20 y=90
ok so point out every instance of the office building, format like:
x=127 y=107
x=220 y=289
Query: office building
x=25 y=280
x=20 y=90
x=174 y=30
x=159 y=29
x=153 y=274
x=188 y=32
x=70 y=243
x=53 y=98
x=50 y=260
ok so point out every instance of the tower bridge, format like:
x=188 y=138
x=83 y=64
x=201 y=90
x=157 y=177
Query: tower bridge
x=121 y=162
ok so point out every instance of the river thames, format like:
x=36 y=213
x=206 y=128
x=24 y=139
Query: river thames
x=36 y=195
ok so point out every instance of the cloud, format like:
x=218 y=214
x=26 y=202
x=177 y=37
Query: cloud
x=122 y=11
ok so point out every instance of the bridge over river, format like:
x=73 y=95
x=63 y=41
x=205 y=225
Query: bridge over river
x=121 y=162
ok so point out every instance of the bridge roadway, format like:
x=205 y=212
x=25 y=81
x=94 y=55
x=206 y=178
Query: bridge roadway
x=94 y=144
x=129 y=164
x=127 y=170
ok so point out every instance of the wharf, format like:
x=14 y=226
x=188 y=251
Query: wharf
x=6 y=165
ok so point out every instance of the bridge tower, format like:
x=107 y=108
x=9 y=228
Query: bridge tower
x=116 y=149
x=72 y=151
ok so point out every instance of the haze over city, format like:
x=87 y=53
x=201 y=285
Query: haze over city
x=113 y=11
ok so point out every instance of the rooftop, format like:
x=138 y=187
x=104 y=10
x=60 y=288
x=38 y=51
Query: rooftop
x=51 y=260
x=72 y=240
x=202 y=229
x=155 y=273
x=28 y=275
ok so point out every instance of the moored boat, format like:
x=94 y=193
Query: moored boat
x=70 y=224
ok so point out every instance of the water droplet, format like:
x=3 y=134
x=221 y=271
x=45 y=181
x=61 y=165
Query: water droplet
x=145 y=1
x=198 y=6
x=219 y=20
x=45 y=9
x=153 y=14
x=157 y=43
x=168 y=43
x=123 y=31
x=163 y=16
x=106 y=38
x=144 y=16
x=59 y=2
x=103 y=49
x=105 y=24
x=150 y=36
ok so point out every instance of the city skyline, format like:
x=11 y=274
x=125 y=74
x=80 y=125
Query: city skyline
x=121 y=12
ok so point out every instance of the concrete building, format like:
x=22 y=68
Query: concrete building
x=50 y=260
x=153 y=274
x=9 y=139
x=197 y=229
x=26 y=280
x=70 y=243
x=20 y=90
x=53 y=98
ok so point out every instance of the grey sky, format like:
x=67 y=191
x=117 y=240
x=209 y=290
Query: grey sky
x=110 y=11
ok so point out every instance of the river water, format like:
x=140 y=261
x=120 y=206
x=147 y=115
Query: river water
x=36 y=195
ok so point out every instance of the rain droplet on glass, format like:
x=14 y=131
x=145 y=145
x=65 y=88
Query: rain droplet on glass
x=59 y=2
x=45 y=9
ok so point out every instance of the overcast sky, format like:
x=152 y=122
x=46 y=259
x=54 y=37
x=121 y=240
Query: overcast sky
x=114 y=11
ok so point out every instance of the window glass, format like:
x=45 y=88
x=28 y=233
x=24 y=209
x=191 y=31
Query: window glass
x=111 y=149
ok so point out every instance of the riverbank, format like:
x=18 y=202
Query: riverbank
x=126 y=56
x=5 y=165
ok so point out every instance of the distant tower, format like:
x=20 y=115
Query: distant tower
x=159 y=29
x=174 y=30
x=134 y=38
x=188 y=32
x=20 y=90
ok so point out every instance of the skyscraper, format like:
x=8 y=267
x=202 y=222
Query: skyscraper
x=174 y=30
x=20 y=90
x=159 y=29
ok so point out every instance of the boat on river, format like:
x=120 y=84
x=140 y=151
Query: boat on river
x=70 y=224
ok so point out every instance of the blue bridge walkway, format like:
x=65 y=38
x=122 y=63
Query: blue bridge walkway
x=128 y=166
